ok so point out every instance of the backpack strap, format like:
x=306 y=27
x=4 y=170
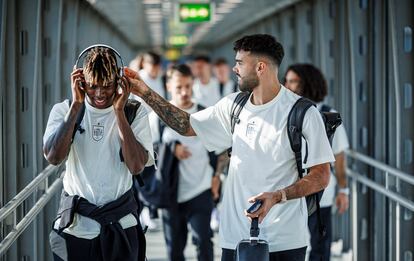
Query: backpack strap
x=78 y=122
x=294 y=128
x=130 y=109
x=236 y=109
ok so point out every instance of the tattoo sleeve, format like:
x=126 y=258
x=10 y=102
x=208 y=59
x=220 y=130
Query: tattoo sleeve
x=174 y=117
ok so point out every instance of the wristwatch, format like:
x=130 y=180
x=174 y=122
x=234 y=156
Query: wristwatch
x=283 y=198
x=344 y=191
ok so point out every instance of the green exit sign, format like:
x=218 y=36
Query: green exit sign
x=194 y=12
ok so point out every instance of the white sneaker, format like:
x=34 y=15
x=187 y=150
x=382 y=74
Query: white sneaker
x=147 y=221
x=215 y=220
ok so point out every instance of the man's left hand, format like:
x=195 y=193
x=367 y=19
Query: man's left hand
x=342 y=202
x=121 y=94
x=269 y=199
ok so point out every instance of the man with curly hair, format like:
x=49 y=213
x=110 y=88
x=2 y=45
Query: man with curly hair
x=97 y=218
x=308 y=81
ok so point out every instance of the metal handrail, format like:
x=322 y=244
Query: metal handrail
x=19 y=228
x=13 y=204
x=381 y=189
x=379 y=165
x=7 y=209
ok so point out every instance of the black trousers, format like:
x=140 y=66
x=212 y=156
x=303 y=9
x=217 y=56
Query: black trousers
x=67 y=247
x=321 y=246
x=197 y=213
x=297 y=254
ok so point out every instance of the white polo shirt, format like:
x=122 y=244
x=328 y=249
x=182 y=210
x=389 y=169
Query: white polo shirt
x=262 y=161
x=94 y=170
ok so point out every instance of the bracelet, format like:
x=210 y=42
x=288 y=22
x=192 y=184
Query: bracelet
x=283 y=196
x=344 y=191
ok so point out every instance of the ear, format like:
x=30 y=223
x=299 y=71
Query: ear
x=260 y=68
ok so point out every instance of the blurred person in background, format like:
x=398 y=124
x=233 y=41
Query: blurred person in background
x=309 y=82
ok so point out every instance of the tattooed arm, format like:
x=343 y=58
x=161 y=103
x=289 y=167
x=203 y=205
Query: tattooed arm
x=174 y=117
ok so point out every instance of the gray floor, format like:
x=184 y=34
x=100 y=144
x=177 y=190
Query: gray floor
x=156 y=250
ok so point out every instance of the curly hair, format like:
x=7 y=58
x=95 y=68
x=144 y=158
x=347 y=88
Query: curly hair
x=100 y=65
x=261 y=44
x=312 y=83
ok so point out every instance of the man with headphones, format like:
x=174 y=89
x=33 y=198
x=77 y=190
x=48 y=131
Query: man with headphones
x=104 y=142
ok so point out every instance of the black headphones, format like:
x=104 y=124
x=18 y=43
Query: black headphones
x=80 y=57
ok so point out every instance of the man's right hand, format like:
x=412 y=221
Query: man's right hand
x=181 y=152
x=138 y=87
x=77 y=80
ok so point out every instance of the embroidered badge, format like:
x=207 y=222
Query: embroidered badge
x=251 y=130
x=97 y=132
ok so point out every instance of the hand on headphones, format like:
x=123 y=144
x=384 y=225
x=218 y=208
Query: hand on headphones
x=78 y=81
x=121 y=94
x=138 y=86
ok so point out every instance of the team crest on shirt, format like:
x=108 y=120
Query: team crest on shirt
x=97 y=132
x=251 y=130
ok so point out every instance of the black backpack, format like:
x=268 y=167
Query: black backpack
x=294 y=126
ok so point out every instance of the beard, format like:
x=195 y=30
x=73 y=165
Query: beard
x=248 y=83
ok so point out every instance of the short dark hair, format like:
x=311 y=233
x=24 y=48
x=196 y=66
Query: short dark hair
x=203 y=58
x=182 y=69
x=220 y=61
x=312 y=83
x=261 y=44
x=152 y=58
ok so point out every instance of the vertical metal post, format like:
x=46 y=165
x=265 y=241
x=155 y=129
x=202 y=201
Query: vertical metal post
x=394 y=48
x=2 y=95
x=35 y=104
x=59 y=54
x=354 y=127
x=390 y=216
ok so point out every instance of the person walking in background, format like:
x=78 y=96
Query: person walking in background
x=206 y=90
x=308 y=81
x=194 y=196
x=222 y=71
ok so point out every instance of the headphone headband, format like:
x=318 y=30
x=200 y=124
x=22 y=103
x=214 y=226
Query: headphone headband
x=121 y=71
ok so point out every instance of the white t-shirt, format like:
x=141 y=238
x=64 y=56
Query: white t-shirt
x=94 y=170
x=195 y=172
x=262 y=161
x=206 y=94
x=339 y=144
